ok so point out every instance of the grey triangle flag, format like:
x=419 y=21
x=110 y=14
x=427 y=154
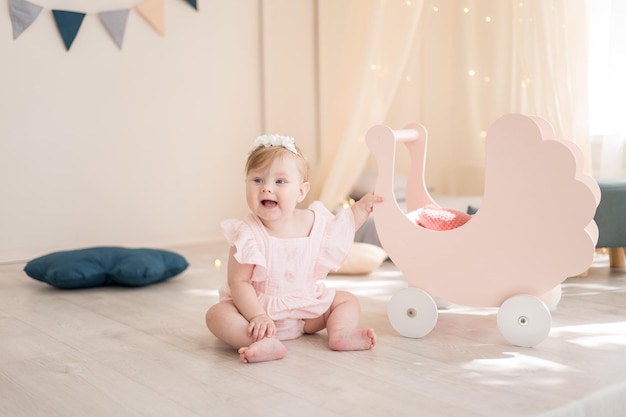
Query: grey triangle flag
x=115 y=22
x=23 y=13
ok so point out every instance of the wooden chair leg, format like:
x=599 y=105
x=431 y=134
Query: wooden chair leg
x=617 y=257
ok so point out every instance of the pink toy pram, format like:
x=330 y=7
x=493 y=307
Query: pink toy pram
x=533 y=230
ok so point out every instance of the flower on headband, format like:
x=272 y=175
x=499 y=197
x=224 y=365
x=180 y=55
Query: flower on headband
x=286 y=142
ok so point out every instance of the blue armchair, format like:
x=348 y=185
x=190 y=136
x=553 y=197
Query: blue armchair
x=611 y=220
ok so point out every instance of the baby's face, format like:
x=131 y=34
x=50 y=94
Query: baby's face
x=272 y=192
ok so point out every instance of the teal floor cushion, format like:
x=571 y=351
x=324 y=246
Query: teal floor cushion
x=99 y=266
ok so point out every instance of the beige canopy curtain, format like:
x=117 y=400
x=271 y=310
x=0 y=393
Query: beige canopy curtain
x=454 y=66
x=334 y=68
x=364 y=47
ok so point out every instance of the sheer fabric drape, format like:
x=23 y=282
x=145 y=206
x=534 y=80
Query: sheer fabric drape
x=454 y=66
x=607 y=81
x=364 y=47
x=549 y=78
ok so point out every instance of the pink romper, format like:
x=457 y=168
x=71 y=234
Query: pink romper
x=288 y=274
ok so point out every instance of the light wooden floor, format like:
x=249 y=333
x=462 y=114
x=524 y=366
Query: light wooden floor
x=146 y=352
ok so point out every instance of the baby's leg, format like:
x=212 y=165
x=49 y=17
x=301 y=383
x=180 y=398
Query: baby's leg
x=341 y=322
x=228 y=325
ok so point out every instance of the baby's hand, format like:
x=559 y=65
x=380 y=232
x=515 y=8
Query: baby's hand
x=367 y=202
x=261 y=326
x=364 y=207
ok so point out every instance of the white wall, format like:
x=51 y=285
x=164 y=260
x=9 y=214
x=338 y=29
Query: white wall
x=139 y=146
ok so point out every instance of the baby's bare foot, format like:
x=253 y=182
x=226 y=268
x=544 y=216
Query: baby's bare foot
x=266 y=349
x=358 y=339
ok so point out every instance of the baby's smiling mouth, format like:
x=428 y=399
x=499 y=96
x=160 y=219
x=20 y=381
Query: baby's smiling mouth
x=269 y=203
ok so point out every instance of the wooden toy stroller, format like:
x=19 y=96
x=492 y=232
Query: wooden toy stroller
x=533 y=230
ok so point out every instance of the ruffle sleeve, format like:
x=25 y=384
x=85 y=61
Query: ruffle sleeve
x=337 y=238
x=239 y=234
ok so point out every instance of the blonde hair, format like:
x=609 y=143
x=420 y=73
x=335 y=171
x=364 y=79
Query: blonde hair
x=263 y=156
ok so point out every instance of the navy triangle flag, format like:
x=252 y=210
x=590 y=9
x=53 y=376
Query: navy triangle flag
x=194 y=3
x=68 y=24
x=115 y=23
x=23 y=14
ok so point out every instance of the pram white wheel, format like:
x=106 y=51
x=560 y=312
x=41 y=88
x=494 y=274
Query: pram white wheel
x=524 y=320
x=412 y=312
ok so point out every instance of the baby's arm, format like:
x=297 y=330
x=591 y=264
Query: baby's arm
x=246 y=301
x=362 y=208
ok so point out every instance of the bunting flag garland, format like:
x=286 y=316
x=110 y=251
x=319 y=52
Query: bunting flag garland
x=115 y=22
x=152 y=11
x=68 y=24
x=23 y=14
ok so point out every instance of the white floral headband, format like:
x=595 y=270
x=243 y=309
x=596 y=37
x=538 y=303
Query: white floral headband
x=286 y=142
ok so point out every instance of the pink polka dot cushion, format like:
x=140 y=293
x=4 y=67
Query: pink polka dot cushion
x=438 y=218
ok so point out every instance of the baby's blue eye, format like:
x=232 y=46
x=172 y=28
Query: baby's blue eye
x=258 y=180
x=280 y=181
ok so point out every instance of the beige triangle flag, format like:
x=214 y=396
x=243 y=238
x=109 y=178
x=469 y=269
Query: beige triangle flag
x=152 y=12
